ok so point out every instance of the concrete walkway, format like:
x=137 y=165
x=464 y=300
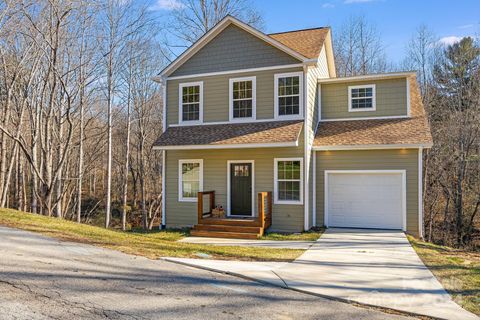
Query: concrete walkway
x=303 y=245
x=372 y=267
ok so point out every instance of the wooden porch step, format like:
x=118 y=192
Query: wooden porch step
x=226 y=228
x=219 y=234
x=230 y=222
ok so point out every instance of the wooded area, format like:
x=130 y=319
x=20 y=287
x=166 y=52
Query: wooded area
x=79 y=110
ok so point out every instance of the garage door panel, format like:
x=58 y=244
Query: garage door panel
x=365 y=200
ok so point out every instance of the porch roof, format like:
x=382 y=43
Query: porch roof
x=234 y=135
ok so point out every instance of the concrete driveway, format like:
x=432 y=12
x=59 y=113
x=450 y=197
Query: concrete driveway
x=373 y=267
x=44 y=278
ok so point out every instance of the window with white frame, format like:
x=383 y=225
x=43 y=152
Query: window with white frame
x=288 y=177
x=190 y=179
x=289 y=94
x=361 y=98
x=242 y=98
x=191 y=102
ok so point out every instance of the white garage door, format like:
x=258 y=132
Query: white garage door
x=364 y=199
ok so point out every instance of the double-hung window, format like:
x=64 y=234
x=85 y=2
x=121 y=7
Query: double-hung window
x=242 y=98
x=288 y=95
x=361 y=98
x=191 y=102
x=288 y=181
x=190 y=179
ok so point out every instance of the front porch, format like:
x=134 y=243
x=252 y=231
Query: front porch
x=230 y=226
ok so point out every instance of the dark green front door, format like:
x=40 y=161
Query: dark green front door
x=241 y=189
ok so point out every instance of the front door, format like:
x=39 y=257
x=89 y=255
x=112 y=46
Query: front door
x=241 y=189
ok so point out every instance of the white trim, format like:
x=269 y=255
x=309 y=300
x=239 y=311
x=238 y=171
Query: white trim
x=374 y=100
x=404 y=190
x=222 y=122
x=420 y=192
x=164 y=105
x=314 y=189
x=306 y=144
x=228 y=146
x=275 y=182
x=254 y=99
x=229 y=162
x=408 y=97
x=180 y=104
x=319 y=101
x=180 y=181
x=164 y=215
x=218 y=73
x=300 y=75
x=212 y=33
x=369 y=77
x=372 y=147
x=365 y=118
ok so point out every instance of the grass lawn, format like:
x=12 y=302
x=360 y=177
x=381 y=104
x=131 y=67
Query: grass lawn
x=152 y=245
x=458 y=271
x=304 y=236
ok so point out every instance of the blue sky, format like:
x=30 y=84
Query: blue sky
x=396 y=20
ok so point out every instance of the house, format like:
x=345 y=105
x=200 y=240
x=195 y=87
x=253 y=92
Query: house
x=262 y=126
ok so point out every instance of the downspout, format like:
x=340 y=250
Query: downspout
x=420 y=192
x=164 y=152
x=306 y=158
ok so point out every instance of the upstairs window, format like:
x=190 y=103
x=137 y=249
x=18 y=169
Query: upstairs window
x=191 y=102
x=289 y=95
x=242 y=98
x=361 y=98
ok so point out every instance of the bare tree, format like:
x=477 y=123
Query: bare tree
x=420 y=56
x=191 y=19
x=358 y=48
x=122 y=20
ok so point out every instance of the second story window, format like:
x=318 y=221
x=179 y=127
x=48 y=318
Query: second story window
x=289 y=95
x=191 y=102
x=242 y=98
x=361 y=98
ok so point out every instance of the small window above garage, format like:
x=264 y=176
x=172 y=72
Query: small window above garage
x=361 y=98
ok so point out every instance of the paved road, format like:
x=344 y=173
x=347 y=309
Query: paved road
x=43 y=278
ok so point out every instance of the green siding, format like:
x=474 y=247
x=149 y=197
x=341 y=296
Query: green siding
x=391 y=99
x=401 y=159
x=234 y=49
x=285 y=217
x=215 y=95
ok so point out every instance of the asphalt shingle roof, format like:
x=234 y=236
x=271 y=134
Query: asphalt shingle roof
x=232 y=133
x=307 y=42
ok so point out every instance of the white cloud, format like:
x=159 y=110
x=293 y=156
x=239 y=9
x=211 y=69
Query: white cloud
x=450 y=40
x=466 y=26
x=328 y=5
x=167 y=5
x=357 y=1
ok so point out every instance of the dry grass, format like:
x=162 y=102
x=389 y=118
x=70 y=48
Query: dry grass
x=458 y=271
x=304 y=236
x=153 y=244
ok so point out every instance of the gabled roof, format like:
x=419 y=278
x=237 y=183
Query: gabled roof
x=413 y=131
x=232 y=135
x=303 y=45
x=307 y=42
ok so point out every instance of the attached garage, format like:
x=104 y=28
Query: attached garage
x=365 y=199
x=367 y=189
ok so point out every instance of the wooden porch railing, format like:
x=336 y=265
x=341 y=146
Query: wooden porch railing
x=211 y=206
x=264 y=209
